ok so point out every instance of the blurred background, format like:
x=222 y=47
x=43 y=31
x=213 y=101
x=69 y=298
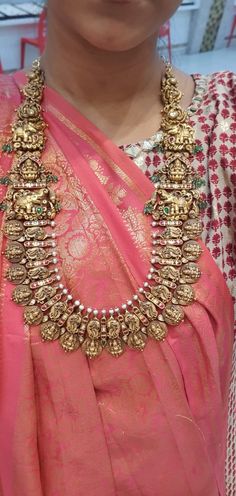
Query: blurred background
x=201 y=36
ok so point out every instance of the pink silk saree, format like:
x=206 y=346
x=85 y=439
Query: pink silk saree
x=151 y=423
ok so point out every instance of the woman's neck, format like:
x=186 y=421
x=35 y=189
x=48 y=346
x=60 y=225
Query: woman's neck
x=119 y=92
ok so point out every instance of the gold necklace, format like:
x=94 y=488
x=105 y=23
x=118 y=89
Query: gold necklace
x=31 y=207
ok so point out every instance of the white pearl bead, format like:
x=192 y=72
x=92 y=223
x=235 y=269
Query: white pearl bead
x=117 y=309
x=56 y=270
x=146 y=284
x=104 y=312
x=152 y=270
x=149 y=277
x=54 y=244
x=55 y=260
x=154 y=224
x=89 y=309
x=95 y=312
x=77 y=303
x=65 y=291
x=61 y=286
x=111 y=311
x=135 y=297
x=69 y=297
x=154 y=235
x=124 y=306
x=53 y=235
x=153 y=260
x=129 y=302
x=53 y=223
x=58 y=278
x=141 y=290
x=153 y=252
x=81 y=307
x=54 y=253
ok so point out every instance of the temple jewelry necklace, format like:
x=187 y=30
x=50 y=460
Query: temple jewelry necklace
x=31 y=206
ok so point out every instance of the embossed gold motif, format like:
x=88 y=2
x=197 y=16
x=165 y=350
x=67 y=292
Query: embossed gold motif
x=16 y=274
x=50 y=331
x=33 y=315
x=14 y=252
x=22 y=295
x=32 y=206
x=13 y=229
x=157 y=330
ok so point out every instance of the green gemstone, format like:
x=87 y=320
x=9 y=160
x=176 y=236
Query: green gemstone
x=155 y=178
x=5 y=181
x=166 y=210
x=148 y=209
x=202 y=205
x=57 y=206
x=39 y=210
x=3 y=207
x=198 y=182
x=51 y=178
x=198 y=148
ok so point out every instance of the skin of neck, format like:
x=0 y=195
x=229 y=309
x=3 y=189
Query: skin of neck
x=118 y=91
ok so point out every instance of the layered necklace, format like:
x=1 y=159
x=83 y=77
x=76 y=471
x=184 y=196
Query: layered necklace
x=31 y=207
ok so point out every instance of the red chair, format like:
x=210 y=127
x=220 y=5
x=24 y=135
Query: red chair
x=233 y=27
x=165 y=33
x=39 y=41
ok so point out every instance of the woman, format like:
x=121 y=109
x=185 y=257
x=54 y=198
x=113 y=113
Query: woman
x=139 y=403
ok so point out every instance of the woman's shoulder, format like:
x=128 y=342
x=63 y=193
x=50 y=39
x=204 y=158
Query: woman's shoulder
x=220 y=86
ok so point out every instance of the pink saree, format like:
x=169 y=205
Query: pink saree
x=151 y=423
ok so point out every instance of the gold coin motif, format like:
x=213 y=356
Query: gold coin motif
x=92 y=348
x=190 y=273
x=192 y=228
x=191 y=250
x=93 y=328
x=13 y=229
x=16 y=274
x=35 y=233
x=161 y=292
x=69 y=342
x=14 y=252
x=45 y=293
x=115 y=347
x=149 y=309
x=137 y=341
x=184 y=294
x=57 y=310
x=172 y=252
x=173 y=314
x=36 y=254
x=22 y=295
x=132 y=322
x=113 y=328
x=157 y=330
x=169 y=273
x=38 y=273
x=73 y=323
x=33 y=315
x=49 y=331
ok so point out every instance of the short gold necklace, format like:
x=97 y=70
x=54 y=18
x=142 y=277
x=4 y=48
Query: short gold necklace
x=31 y=207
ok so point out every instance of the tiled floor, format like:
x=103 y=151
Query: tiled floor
x=218 y=60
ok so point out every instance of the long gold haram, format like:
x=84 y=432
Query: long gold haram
x=31 y=206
